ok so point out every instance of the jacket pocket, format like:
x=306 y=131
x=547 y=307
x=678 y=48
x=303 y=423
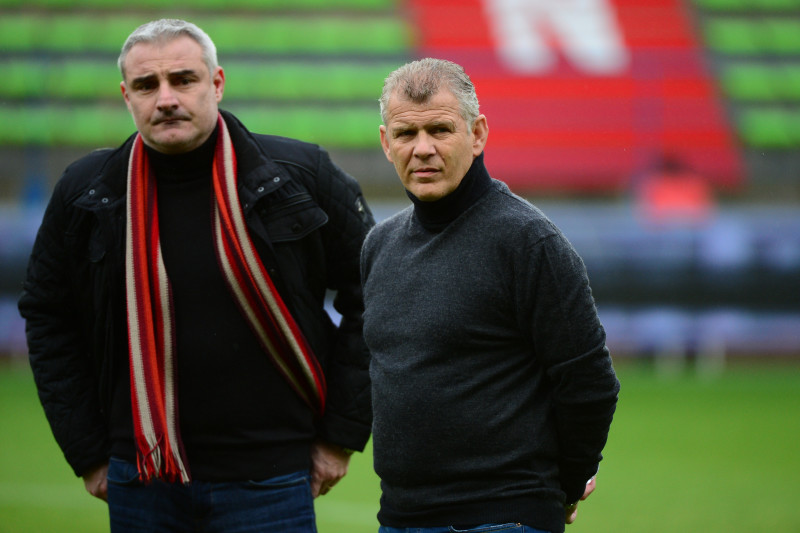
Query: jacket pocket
x=123 y=473
x=293 y=218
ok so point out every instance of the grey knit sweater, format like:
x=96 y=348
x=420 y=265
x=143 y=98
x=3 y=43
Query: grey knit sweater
x=493 y=390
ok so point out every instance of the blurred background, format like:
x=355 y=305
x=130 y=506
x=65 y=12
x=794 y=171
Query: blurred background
x=662 y=136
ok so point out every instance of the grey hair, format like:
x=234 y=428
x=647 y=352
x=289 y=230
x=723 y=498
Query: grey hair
x=165 y=30
x=420 y=80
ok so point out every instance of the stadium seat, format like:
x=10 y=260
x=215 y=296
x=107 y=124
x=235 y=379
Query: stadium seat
x=770 y=128
x=233 y=34
x=761 y=83
x=66 y=79
x=747 y=37
x=93 y=125
x=756 y=47
x=212 y=5
x=748 y=5
x=310 y=69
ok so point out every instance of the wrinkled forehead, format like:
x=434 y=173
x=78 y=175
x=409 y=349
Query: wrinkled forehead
x=165 y=55
x=441 y=107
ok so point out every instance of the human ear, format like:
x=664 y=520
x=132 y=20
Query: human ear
x=385 y=144
x=480 y=134
x=219 y=82
x=125 y=95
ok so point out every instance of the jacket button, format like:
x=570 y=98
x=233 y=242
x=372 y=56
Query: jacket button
x=296 y=227
x=261 y=189
x=91 y=192
x=104 y=200
x=276 y=179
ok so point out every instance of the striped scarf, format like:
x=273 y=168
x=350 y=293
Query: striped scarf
x=151 y=336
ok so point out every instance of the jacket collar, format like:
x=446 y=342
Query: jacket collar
x=258 y=174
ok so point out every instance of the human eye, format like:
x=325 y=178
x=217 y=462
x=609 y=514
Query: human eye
x=144 y=86
x=440 y=129
x=183 y=81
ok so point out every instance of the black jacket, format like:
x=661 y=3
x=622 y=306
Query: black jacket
x=308 y=220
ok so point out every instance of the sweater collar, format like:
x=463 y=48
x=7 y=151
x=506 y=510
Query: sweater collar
x=436 y=215
x=181 y=167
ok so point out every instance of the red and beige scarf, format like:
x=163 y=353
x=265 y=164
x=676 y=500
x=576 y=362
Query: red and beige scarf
x=151 y=334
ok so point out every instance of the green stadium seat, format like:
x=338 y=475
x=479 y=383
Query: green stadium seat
x=748 y=37
x=749 y=83
x=771 y=128
x=22 y=80
x=791 y=83
x=310 y=69
x=59 y=79
x=784 y=36
x=333 y=81
x=91 y=79
x=233 y=34
x=722 y=5
x=761 y=83
x=89 y=125
x=748 y=5
x=211 y=5
x=731 y=37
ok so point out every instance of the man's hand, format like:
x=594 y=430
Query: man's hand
x=571 y=511
x=328 y=465
x=96 y=482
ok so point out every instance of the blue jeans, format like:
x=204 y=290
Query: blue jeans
x=486 y=528
x=281 y=504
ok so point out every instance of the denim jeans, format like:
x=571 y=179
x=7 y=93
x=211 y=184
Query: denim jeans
x=486 y=528
x=282 y=504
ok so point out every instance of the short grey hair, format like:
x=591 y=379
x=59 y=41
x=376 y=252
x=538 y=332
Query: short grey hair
x=420 y=80
x=165 y=30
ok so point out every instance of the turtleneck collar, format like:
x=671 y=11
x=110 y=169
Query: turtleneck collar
x=180 y=167
x=436 y=215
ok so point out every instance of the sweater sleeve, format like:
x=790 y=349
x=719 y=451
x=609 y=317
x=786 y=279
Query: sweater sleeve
x=58 y=352
x=569 y=341
x=348 y=417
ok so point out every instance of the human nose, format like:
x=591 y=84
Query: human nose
x=166 y=97
x=424 y=146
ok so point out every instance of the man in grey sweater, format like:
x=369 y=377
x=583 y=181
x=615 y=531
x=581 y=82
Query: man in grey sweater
x=493 y=390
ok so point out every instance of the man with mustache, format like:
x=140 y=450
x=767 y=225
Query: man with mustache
x=174 y=306
x=492 y=387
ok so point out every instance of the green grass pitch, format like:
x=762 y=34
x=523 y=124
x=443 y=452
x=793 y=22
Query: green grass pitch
x=686 y=453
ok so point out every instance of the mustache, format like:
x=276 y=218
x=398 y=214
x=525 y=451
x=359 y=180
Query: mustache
x=169 y=117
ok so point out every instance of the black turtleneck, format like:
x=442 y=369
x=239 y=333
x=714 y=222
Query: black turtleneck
x=183 y=167
x=436 y=215
x=239 y=419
